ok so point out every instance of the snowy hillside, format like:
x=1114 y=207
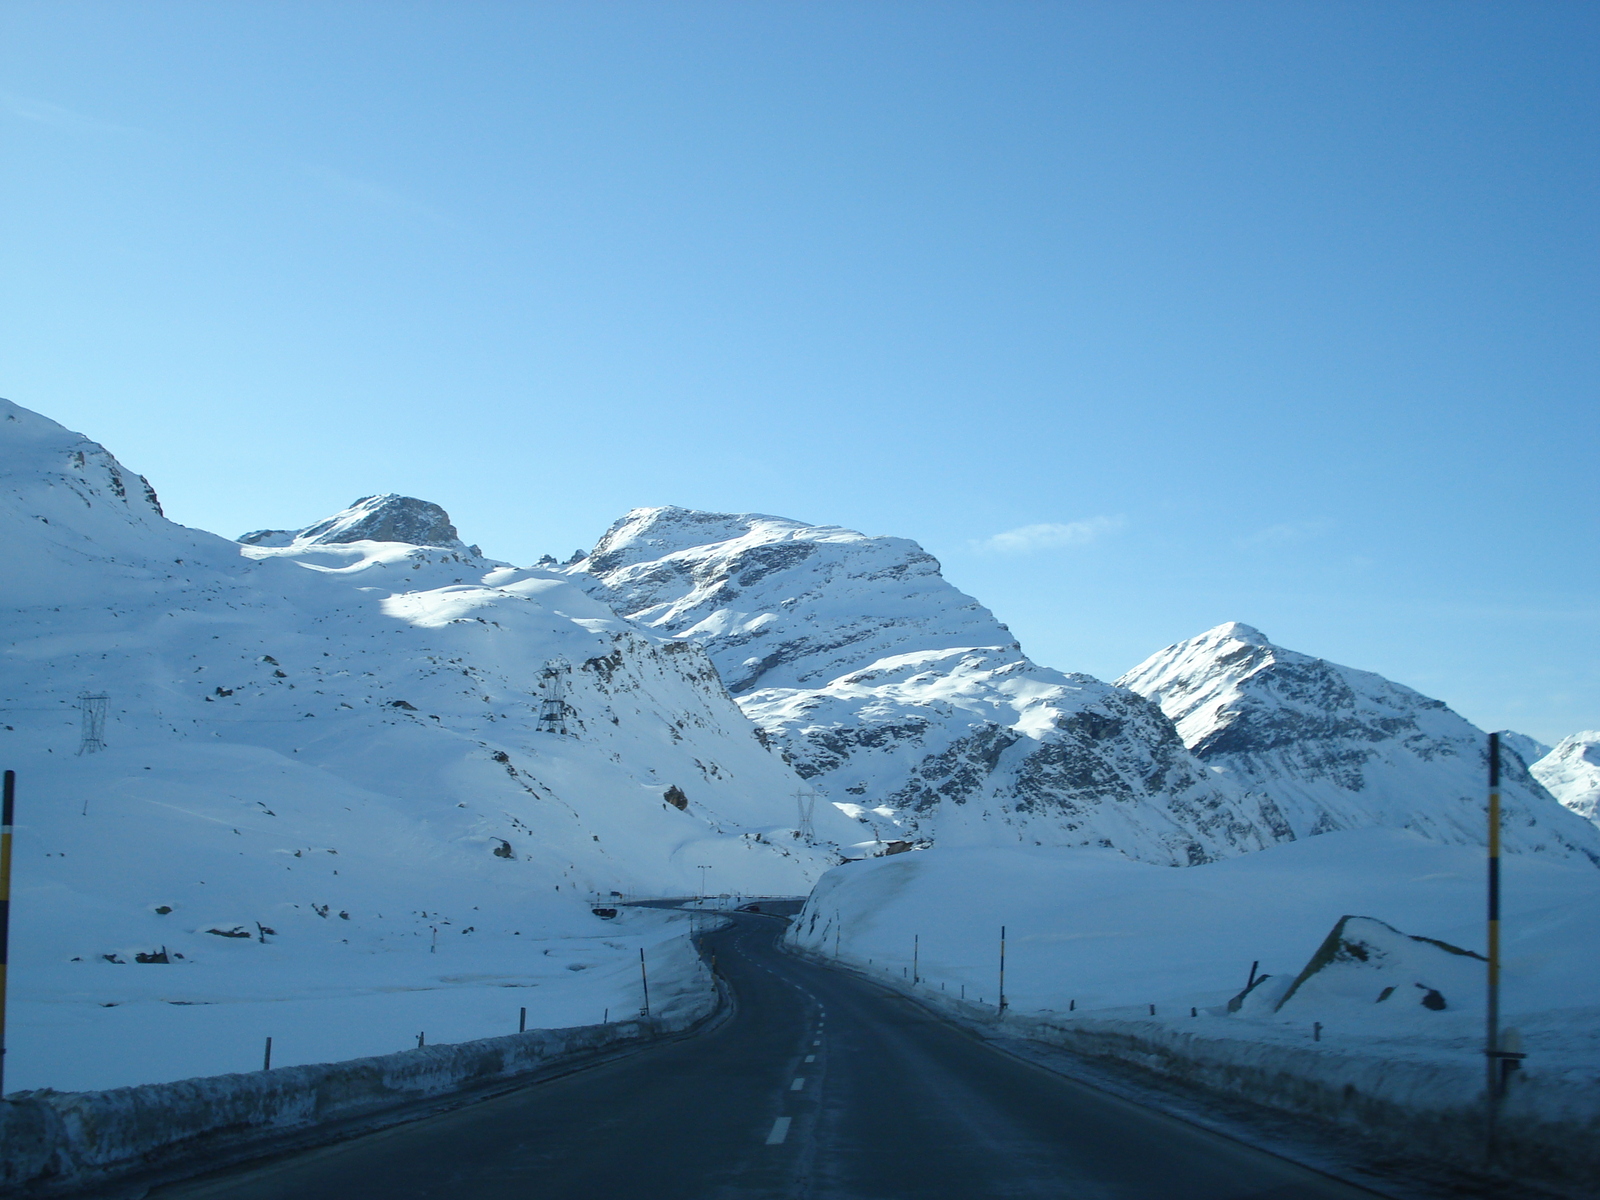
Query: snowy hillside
x=1336 y=748
x=1571 y=773
x=336 y=740
x=904 y=701
x=1529 y=750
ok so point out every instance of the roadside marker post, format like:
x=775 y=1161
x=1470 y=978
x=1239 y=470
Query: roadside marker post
x=266 y=1057
x=522 y=1022
x=7 y=806
x=1002 y=1005
x=644 y=978
x=1491 y=1049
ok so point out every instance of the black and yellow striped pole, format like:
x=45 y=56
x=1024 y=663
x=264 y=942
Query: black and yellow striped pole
x=7 y=804
x=1492 y=1032
x=1001 y=1007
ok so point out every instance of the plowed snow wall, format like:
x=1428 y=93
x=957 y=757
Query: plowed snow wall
x=1549 y=1127
x=59 y=1140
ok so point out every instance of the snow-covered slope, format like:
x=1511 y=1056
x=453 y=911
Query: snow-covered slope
x=1571 y=773
x=1336 y=748
x=1093 y=936
x=1529 y=750
x=338 y=740
x=904 y=701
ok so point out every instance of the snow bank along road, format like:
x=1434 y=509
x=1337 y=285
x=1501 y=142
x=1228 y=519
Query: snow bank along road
x=819 y=1085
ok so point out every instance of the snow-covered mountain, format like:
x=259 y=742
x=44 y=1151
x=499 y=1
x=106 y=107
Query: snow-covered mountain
x=1336 y=748
x=1571 y=773
x=385 y=518
x=322 y=754
x=1529 y=750
x=386 y=693
x=905 y=701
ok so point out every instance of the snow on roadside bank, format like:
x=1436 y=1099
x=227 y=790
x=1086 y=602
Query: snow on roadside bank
x=1095 y=941
x=1091 y=935
x=91 y=1027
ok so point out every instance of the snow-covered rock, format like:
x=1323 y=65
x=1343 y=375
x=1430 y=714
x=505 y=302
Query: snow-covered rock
x=385 y=518
x=1529 y=750
x=905 y=701
x=336 y=741
x=1338 y=748
x=1571 y=773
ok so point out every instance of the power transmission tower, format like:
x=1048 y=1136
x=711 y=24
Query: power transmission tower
x=92 y=711
x=807 y=801
x=553 y=708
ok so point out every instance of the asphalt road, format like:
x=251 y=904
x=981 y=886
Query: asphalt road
x=819 y=1086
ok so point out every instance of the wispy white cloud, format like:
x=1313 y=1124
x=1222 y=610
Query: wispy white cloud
x=42 y=112
x=1286 y=534
x=1028 y=539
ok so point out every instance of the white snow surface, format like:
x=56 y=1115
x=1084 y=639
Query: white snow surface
x=336 y=741
x=904 y=701
x=1330 y=747
x=1529 y=750
x=1093 y=935
x=1571 y=773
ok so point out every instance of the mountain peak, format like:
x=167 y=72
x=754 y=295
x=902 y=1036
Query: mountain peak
x=650 y=534
x=1236 y=631
x=385 y=518
x=1339 y=748
x=769 y=596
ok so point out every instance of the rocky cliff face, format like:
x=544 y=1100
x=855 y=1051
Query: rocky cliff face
x=905 y=701
x=1571 y=773
x=1336 y=748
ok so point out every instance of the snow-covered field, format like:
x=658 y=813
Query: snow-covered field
x=103 y=1026
x=1093 y=935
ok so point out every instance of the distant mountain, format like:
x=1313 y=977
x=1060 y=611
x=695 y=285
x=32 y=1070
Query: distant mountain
x=1571 y=773
x=385 y=518
x=905 y=701
x=1529 y=750
x=1337 y=748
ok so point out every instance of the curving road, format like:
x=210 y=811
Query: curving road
x=820 y=1086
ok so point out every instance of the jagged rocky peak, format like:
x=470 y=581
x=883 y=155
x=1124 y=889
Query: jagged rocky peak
x=1231 y=690
x=778 y=602
x=1571 y=773
x=1338 y=748
x=385 y=518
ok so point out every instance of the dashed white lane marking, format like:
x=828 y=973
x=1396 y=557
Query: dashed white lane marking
x=816 y=1042
x=800 y=1082
x=811 y=1058
x=780 y=1130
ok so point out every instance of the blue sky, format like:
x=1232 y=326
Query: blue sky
x=1140 y=316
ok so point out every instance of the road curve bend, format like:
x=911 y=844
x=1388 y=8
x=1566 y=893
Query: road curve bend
x=820 y=1086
